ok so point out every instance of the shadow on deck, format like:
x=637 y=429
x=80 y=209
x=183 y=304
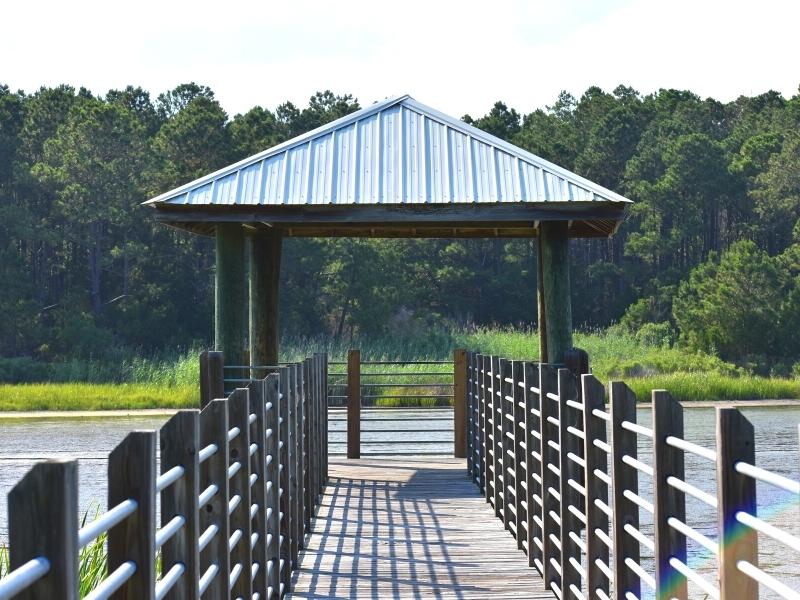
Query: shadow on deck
x=410 y=527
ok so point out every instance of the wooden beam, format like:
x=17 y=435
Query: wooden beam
x=230 y=297
x=554 y=258
x=265 y=271
x=460 y=378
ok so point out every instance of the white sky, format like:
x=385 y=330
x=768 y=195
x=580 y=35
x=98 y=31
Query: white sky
x=458 y=57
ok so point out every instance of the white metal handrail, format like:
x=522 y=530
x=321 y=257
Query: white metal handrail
x=106 y=521
x=23 y=577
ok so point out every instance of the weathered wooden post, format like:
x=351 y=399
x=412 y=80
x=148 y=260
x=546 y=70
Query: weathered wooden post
x=520 y=449
x=179 y=447
x=285 y=514
x=354 y=404
x=460 y=403
x=494 y=439
x=257 y=424
x=667 y=500
x=212 y=378
x=42 y=522
x=132 y=476
x=265 y=271
x=273 y=481
x=506 y=443
x=555 y=317
x=214 y=495
x=548 y=408
x=569 y=446
x=624 y=478
x=230 y=295
x=532 y=471
x=594 y=429
x=735 y=492
x=239 y=505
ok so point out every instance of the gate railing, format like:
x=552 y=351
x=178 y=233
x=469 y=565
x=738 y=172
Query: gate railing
x=239 y=486
x=540 y=442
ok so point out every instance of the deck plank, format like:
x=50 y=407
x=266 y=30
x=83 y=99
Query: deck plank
x=410 y=527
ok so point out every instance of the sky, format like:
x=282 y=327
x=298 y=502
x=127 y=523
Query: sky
x=459 y=57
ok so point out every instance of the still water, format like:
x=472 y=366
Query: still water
x=25 y=441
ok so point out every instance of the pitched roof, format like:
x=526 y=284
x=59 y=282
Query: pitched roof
x=395 y=152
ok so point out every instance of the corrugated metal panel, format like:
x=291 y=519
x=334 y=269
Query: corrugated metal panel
x=394 y=152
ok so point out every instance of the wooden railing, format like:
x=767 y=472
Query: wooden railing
x=412 y=384
x=562 y=473
x=239 y=485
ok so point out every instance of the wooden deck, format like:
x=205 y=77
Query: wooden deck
x=410 y=527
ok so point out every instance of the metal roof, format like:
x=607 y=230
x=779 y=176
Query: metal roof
x=395 y=152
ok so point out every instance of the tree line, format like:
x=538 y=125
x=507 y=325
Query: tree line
x=708 y=257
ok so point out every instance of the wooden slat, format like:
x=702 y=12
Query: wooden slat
x=354 y=404
x=735 y=492
x=179 y=444
x=283 y=469
x=520 y=473
x=460 y=403
x=212 y=385
x=624 y=477
x=239 y=448
x=668 y=501
x=569 y=444
x=410 y=528
x=273 y=478
x=258 y=489
x=506 y=444
x=531 y=379
x=43 y=514
x=548 y=383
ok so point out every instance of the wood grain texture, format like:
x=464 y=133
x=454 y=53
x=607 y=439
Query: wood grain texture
x=239 y=485
x=460 y=382
x=354 y=404
x=410 y=528
x=36 y=529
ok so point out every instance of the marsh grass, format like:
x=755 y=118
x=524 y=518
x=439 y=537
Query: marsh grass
x=171 y=382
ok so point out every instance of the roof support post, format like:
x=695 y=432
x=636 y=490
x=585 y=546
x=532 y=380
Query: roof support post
x=265 y=271
x=555 y=305
x=229 y=297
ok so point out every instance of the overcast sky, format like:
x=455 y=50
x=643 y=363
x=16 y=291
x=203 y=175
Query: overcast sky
x=458 y=57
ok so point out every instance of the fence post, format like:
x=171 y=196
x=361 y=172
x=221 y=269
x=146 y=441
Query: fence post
x=460 y=403
x=240 y=520
x=548 y=384
x=297 y=466
x=132 y=475
x=308 y=457
x=496 y=438
x=179 y=445
x=212 y=378
x=214 y=514
x=273 y=483
x=623 y=477
x=533 y=471
x=568 y=445
x=354 y=404
x=594 y=428
x=506 y=445
x=42 y=521
x=470 y=419
x=258 y=487
x=485 y=382
x=522 y=502
x=284 y=517
x=735 y=492
x=668 y=501
x=325 y=419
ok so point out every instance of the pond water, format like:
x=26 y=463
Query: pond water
x=25 y=441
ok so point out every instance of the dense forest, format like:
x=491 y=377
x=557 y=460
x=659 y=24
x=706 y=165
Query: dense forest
x=709 y=257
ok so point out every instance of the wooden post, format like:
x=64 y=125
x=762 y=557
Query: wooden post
x=265 y=271
x=179 y=445
x=548 y=384
x=132 y=476
x=354 y=404
x=554 y=257
x=594 y=428
x=496 y=439
x=285 y=514
x=230 y=296
x=507 y=445
x=212 y=384
x=668 y=501
x=540 y=313
x=533 y=471
x=258 y=487
x=240 y=523
x=735 y=492
x=308 y=458
x=623 y=477
x=568 y=445
x=325 y=423
x=460 y=403
x=42 y=521
x=485 y=382
x=520 y=449
x=214 y=471
x=296 y=485
x=272 y=476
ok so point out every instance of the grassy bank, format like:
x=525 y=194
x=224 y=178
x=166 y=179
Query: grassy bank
x=171 y=382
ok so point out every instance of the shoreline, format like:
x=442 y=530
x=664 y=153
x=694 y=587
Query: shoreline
x=168 y=412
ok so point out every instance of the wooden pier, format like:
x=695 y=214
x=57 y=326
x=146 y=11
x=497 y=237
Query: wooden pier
x=408 y=527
